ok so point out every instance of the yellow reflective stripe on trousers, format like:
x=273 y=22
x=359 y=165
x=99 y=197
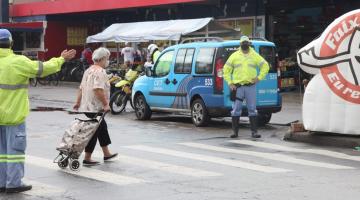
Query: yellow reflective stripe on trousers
x=11 y=156
x=12 y=161
x=40 y=70
x=13 y=87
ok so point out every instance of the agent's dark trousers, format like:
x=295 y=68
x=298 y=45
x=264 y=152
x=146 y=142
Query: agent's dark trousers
x=101 y=134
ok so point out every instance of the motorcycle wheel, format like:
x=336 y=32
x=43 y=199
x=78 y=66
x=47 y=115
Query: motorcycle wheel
x=43 y=81
x=33 y=82
x=118 y=102
x=77 y=74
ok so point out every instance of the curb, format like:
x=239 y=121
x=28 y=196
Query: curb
x=324 y=139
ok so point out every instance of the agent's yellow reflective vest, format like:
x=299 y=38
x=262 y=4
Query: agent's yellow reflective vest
x=241 y=68
x=15 y=71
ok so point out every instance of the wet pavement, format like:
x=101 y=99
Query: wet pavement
x=167 y=158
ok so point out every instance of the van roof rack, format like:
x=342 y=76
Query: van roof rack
x=258 y=38
x=201 y=39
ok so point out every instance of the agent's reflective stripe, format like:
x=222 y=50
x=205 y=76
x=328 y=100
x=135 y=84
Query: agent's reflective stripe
x=252 y=65
x=229 y=64
x=237 y=65
x=12 y=161
x=13 y=87
x=261 y=64
x=40 y=70
x=4 y=158
x=11 y=156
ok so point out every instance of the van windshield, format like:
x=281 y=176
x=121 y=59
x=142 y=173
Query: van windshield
x=267 y=52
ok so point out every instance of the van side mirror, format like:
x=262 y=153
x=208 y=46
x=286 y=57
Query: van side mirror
x=148 y=71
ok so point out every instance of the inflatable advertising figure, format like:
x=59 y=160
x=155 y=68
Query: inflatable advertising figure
x=332 y=98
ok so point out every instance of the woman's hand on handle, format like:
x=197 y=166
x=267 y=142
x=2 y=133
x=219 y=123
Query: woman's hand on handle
x=106 y=108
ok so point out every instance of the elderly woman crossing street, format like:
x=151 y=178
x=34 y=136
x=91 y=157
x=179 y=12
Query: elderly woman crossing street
x=93 y=98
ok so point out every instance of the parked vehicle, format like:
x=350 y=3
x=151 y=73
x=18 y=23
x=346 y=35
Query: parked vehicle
x=188 y=78
x=122 y=93
x=52 y=79
x=78 y=71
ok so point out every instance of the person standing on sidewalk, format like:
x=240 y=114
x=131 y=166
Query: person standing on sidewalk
x=241 y=75
x=15 y=71
x=93 y=98
x=86 y=55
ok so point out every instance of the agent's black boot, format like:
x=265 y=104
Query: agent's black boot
x=235 y=127
x=253 y=127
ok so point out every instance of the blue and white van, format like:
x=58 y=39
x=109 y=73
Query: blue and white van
x=187 y=78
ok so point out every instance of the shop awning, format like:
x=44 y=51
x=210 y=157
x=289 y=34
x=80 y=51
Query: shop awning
x=24 y=26
x=150 y=30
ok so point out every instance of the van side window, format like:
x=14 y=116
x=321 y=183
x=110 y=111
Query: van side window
x=268 y=53
x=205 y=61
x=183 y=61
x=163 y=64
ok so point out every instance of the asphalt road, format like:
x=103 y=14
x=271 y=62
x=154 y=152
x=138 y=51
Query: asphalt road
x=167 y=158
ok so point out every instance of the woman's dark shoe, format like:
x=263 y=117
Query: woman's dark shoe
x=22 y=188
x=110 y=158
x=90 y=163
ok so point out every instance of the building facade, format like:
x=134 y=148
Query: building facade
x=47 y=26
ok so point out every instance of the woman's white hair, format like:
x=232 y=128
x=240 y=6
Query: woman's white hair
x=100 y=53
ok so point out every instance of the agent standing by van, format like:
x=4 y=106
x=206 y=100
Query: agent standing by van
x=241 y=75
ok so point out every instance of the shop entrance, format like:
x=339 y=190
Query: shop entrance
x=293 y=26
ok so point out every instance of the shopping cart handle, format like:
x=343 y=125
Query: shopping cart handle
x=102 y=115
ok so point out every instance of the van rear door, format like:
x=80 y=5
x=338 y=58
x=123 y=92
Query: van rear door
x=267 y=89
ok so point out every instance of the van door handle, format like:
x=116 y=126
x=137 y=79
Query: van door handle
x=174 y=82
x=167 y=81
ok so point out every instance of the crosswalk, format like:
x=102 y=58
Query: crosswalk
x=191 y=157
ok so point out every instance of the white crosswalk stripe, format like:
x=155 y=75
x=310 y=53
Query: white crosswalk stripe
x=292 y=149
x=170 y=168
x=85 y=172
x=211 y=159
x=269 y=156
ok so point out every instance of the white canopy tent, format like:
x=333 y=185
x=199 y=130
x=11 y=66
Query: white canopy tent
x=150 y=30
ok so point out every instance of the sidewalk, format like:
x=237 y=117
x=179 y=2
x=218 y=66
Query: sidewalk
x=63 y=96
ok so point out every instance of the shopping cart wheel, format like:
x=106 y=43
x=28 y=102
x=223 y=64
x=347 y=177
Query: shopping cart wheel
x=74 y=165
x=63 y=163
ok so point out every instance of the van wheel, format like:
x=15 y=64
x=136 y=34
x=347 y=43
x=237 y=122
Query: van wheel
x=199 y=114
x=142 y=109
x=263 y=118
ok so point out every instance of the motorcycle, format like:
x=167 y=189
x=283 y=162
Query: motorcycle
x=122 y=94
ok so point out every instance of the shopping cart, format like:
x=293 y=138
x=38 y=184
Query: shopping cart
x=75 y=140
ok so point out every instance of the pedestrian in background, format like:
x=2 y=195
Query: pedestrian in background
x=153 y=52
x=86 y=55
x=241 y=75
x=129 y=53
x=15 y=71
x=93 y=98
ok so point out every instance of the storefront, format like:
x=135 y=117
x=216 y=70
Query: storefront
x=28 y=37
x=68 y=23
x=291 y=26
